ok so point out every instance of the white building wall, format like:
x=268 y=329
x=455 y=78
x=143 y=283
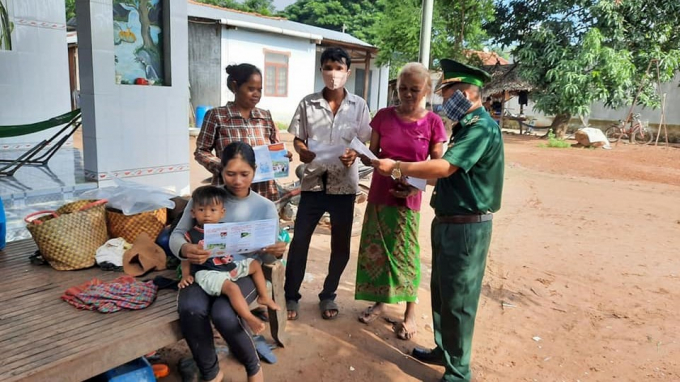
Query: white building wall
x=379 y=87
x=247 y=46
x=599 y=111
x=34 y=77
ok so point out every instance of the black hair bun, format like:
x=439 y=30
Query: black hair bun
x=231 y=69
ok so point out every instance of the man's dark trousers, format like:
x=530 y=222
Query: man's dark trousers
x=311 y=208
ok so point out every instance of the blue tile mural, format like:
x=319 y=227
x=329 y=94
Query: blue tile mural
x=138 y=41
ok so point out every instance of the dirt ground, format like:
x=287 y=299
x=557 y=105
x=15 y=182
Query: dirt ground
x=582 y=283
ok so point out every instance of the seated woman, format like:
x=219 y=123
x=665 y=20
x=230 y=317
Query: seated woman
x=196 y=308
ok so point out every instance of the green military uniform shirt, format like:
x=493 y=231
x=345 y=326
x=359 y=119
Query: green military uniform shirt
x=476 y=148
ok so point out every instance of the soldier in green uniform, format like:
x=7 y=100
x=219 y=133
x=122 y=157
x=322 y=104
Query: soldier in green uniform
x=467 y=193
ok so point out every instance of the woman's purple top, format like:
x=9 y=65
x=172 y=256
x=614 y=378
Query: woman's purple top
x=403 y=141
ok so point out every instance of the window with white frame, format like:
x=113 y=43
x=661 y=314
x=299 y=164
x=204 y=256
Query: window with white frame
x=276 y=73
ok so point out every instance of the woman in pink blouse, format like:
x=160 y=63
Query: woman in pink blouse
x=388 y=268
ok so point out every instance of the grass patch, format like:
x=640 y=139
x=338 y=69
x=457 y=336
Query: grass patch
x=554 y=142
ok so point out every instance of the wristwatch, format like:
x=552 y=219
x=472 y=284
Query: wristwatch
x=396 y=171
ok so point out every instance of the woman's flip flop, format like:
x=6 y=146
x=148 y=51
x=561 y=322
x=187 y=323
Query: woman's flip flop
x=368 y=315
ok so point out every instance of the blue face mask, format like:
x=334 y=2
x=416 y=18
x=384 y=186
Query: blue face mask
x=456 y=106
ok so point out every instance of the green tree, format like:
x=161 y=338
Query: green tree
x=264 y=7
x=398 y=35
x=394 y=27
x=70 y=9
x=577 y=52
x=457 y=26
x=354 y=17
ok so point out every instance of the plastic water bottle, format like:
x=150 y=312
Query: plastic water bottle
x=284 y=236
x=3 y=226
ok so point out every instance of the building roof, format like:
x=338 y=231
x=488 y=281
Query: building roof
x=504 y=78
x=212 y=12
x=488 y=58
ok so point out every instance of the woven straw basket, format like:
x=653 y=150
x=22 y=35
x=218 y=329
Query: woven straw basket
x=69 y=237
x=129 y=227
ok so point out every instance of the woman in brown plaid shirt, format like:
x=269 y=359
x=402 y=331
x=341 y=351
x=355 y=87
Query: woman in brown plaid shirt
x=240 y=121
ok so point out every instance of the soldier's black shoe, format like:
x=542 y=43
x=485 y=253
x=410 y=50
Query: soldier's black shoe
x=432 y=356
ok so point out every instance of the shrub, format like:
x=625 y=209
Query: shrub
x=555 y=142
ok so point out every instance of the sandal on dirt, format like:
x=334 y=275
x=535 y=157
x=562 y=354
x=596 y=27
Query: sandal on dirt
x=329 y=306
x=292 y=306
x=264 y=349
x=403 y=333
x=368 y=315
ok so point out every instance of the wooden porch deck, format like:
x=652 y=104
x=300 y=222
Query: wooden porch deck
x=43 y=338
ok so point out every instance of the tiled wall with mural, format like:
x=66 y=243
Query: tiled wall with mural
x=134 y=131
x=138 y=41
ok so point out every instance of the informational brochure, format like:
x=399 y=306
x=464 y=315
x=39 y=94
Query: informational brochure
x=272 y=162
x=238 y=238
x=326 y=153
x=418 y=183
x=361 y=149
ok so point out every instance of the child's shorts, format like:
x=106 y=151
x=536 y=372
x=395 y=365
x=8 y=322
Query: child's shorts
x=212 y=281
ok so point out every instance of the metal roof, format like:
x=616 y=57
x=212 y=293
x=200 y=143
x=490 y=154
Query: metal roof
x=212 y=12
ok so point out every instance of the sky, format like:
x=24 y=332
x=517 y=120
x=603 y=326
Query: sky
x=280 y=4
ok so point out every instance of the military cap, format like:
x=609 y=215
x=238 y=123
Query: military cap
x=456 y=72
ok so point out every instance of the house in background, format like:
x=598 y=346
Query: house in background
x=287 y=52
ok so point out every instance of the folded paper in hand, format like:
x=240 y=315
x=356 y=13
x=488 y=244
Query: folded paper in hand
x=361 y=149
x=326 y=153
x=240 y=238
x=417 y=182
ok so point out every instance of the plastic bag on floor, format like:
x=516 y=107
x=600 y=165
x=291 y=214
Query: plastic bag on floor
x=112 y=252
x=131 y=197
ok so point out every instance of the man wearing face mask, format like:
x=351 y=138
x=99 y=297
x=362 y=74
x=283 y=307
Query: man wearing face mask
x=331 y=117
x=467 y=193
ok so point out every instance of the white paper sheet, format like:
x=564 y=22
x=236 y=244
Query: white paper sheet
x=361 y=149
x=239 y=238
x=418 y=183
x=325 y=153
x=272 y=162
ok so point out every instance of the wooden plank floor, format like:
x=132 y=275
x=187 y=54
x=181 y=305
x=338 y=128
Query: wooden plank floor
x=43 y=338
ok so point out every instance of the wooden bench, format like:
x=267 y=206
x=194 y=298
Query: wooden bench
x=43 y=338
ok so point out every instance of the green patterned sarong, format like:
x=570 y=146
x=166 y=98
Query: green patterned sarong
x=388 y=269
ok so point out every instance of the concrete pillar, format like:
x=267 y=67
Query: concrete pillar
x=134 y=132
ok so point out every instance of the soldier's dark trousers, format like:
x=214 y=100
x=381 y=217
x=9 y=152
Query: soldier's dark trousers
x=458 y=262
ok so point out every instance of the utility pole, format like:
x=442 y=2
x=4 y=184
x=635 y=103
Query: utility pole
x=426 y=32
